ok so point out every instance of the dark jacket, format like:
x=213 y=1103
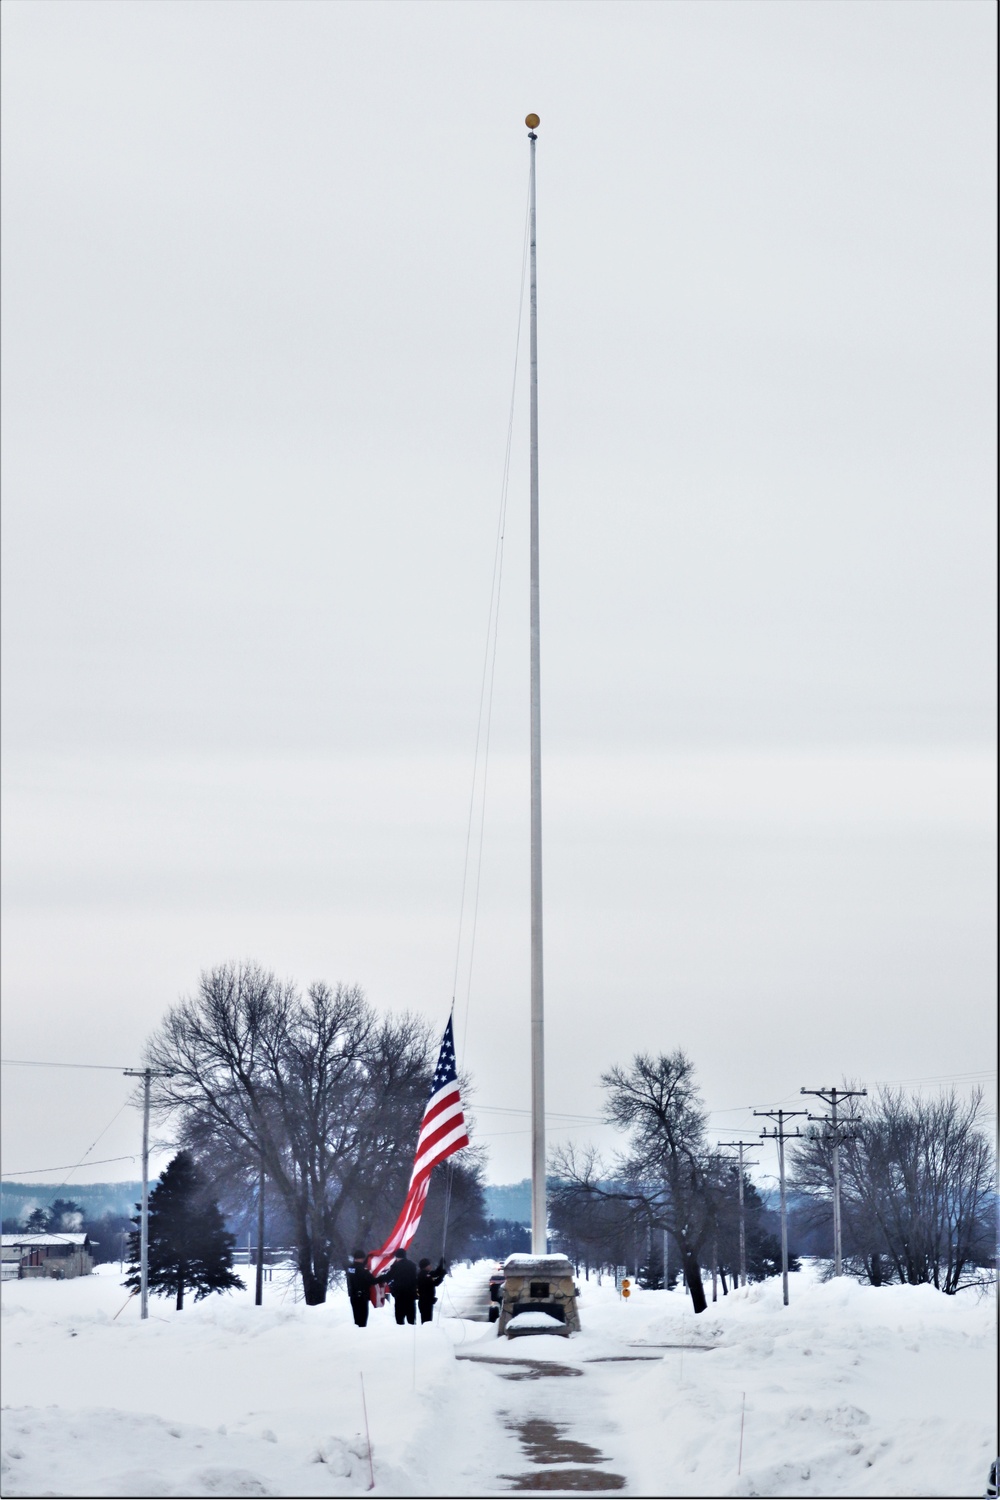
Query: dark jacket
x=427 y=1280
x=401 y=1279
x=359 y=1282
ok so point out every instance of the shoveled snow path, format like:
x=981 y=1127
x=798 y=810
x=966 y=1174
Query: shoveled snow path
x=849 y=1391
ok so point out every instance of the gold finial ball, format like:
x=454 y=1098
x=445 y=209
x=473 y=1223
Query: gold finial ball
x=532 y=122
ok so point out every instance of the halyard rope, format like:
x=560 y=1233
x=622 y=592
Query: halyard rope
x=485 y=699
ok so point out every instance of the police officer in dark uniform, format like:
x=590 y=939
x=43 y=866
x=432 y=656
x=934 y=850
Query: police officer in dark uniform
x=427 y=1281
x=401 y=1279
x=359 y=1284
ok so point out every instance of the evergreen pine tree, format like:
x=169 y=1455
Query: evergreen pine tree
x=189 y=1245
x=37 y=1222
x=65 y=1216
x=764 y=1254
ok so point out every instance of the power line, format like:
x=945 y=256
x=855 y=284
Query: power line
x=484 y=1135
x=76 y=1165
x=550 y=1114
x=969 y=1077
x=102 y=1162
x=19 y=1062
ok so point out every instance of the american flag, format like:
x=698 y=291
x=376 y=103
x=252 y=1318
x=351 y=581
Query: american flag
x=442 y=1133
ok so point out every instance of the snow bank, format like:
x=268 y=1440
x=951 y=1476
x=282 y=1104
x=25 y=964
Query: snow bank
x=849 y=1391
x=535 y=1322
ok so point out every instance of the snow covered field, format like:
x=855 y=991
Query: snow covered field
x=849 y=1391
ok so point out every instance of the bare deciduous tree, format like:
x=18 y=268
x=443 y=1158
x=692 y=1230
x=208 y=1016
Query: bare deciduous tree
x=320 y=1091
x=917 y=1188
x=667 y=1179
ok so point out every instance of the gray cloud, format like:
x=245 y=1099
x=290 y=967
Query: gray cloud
x=260 y=296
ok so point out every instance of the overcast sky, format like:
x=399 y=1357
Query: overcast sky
x=261 y=270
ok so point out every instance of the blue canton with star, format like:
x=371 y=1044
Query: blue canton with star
x=445 y=1072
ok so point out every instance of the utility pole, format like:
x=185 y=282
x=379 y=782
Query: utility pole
x=665 y=1204
x=539 y=1211
x=259 y=1294
x=714 y=1247
x=743 y=1218
x=147 y=1075
x=780 y=1135
x=833 y=1136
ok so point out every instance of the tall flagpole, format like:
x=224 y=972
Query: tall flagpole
x=539 y=1239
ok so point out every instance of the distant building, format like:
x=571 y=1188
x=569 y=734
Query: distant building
x=58 y=1255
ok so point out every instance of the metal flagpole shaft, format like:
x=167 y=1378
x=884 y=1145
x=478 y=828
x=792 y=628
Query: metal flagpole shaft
x=447 y=1207
x=539 y=1240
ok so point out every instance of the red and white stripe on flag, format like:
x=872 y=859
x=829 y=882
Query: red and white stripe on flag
x=442 y=1133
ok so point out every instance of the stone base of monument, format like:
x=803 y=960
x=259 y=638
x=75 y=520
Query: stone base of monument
x=539 y=1296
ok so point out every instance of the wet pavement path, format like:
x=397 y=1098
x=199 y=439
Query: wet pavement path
x=543 y=1444
x=561 y=1462
x=536 y=1415
x=521 y=1369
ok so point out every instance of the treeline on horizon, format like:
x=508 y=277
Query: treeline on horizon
x=100 y=1209
x=321 y=1097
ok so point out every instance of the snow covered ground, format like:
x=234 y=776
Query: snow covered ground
x=849 y=1391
